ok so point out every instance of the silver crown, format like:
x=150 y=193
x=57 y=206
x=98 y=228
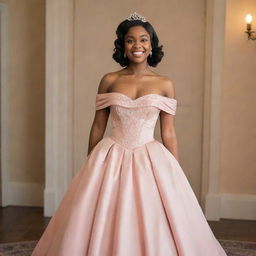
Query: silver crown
x=136 y=16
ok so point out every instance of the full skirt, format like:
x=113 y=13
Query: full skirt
x=125 y=202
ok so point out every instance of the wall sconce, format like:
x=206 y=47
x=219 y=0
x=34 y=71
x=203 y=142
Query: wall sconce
x=251 y=33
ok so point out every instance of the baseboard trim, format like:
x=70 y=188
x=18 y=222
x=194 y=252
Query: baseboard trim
x=212 y=207
x=25 y=193
x=230 y=206
x=49 y=202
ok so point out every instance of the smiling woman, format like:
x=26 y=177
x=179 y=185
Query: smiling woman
x=137 y=43
x=145 y=44
x=131 y=196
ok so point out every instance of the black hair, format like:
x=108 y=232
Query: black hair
x=122 y=30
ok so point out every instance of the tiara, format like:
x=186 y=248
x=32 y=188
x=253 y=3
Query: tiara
x=136 y=16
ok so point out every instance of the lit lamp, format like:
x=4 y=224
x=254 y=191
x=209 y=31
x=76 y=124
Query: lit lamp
x=251 y=33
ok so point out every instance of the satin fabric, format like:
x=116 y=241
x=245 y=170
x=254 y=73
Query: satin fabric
x=130 y=197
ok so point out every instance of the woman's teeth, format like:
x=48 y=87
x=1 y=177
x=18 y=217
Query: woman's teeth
x=137 y=53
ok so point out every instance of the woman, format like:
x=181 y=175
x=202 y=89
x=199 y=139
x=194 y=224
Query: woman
x=131 y=197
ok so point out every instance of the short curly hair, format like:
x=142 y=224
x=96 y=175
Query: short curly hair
x=122 y=30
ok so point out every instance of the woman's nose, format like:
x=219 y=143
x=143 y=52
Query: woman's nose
x=137 y=44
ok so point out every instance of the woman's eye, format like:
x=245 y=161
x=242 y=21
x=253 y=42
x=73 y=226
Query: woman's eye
x=130 y=40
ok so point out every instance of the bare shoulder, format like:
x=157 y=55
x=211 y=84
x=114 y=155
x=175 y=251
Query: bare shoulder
x=106 y=81
x=168 y=86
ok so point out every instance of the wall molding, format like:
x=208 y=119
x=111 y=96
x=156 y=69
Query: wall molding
x=217 y=205
x=59 y=102
x=214 y=63
x=4 y=105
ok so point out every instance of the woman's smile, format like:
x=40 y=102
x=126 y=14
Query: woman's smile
x=137 y=53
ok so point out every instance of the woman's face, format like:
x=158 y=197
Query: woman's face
x=137 y=44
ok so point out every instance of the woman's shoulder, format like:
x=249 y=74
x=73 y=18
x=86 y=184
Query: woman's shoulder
x=162 y=78
x=106 y=81
x=168 y=87
x=166 y=84
x=112 y=75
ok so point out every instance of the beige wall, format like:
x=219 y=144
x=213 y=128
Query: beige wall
x=238 y=161
x=181 y=29
x=26 y=83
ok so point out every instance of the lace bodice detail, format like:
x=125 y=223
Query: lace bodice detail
x=134 y=120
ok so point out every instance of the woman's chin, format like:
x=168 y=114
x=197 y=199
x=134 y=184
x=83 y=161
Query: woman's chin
x=137 y=60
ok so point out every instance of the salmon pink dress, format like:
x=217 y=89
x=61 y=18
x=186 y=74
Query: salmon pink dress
x=130 y=197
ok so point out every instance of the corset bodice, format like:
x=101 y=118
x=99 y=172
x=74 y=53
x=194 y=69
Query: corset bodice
x=133 y=121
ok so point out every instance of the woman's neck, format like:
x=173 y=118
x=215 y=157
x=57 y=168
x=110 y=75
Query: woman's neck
x=138 y=69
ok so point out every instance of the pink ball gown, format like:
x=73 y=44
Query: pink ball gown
x=130 y=197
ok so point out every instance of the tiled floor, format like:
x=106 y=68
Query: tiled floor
x=27 y=223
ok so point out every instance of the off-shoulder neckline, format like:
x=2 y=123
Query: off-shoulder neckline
x=143 y=96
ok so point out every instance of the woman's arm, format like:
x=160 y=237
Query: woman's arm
x=168 y=133
x=101 y=116
x=98 y=128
